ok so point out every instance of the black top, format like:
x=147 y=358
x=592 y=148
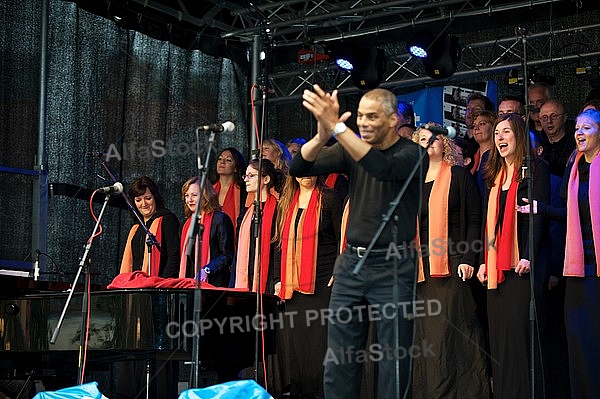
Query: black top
x=541 y=192
x=374 y=182
x=585 y=217
x=169 y=245
x=557 y=154
x=464 y=217
x=221 y=251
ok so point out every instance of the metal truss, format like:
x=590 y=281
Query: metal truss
x=288 y=25
x=577 y=45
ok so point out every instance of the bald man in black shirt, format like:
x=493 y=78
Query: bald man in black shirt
x=377 y=165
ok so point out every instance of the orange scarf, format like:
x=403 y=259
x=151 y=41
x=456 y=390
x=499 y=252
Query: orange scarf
x=127 y=261
x=206 y=221
x=243 y=250
x=345 y=215
x=299 y=251
x=574 y=259
x=501 y=248
x=231 y=204
x=438 y=225
x=476 y=162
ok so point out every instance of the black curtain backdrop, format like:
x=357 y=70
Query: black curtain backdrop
x=108 y=89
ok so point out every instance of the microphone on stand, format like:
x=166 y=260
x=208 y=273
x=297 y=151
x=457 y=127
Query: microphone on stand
x=116 y=188
x=443 y=130
x=218 y=128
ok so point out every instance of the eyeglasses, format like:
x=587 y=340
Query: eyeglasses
x=248 y=177
x=552 y=117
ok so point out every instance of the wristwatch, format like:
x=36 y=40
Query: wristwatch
x=339 y=128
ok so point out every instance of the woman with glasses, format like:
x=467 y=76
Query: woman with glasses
x=229 y=186
x=508 y=254
x=216 y=251
x=256 y=256
x=449 y=229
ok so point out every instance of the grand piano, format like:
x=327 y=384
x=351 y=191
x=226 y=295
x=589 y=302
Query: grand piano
x=134 y=334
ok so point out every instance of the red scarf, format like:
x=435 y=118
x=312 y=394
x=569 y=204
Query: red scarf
x=331 y=178
x=501 y=247
x=231 y=204
x=127 y=261
x=206 y=221
x=299 y=251
x=574 y=259
x=243 y=250
x=438 y=225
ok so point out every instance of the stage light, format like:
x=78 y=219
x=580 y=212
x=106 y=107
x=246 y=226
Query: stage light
x=369 y=67
x=366 y=65
x=419 y=43
x=344 y=63
x=443 y=57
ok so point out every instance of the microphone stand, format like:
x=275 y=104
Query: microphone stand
x=257 y=217
x=527 y=174
x=84 y=300
x=395 y=293
x=196 y=230
x=257 y=236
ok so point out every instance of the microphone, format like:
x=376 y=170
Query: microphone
x=36 y=265
x=218 y=128
x=443 y=130
x=116 y=188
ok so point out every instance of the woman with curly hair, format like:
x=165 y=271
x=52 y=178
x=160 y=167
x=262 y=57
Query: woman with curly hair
x=216 y=251
x=308 y=232
x=508 y=253
x=276 y=152
x=449 y=229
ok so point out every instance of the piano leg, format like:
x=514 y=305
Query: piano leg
x=130 y=379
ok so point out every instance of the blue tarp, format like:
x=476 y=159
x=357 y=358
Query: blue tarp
x=85 y=391
x=245 y=389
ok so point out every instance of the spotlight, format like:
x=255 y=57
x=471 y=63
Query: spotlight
x=419 y=43
x=344 y=63
x=443 y=57
x=369 y=68
x=366 y=65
